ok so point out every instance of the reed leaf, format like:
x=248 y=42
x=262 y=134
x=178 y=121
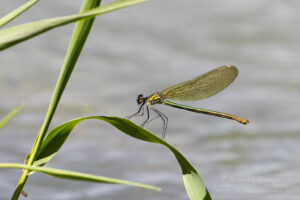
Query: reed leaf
x=78 y=176
x=16 y=34
x=194 y=185
x=10 y=115
x=15 y=13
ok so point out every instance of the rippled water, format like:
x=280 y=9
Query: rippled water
x=147 y=48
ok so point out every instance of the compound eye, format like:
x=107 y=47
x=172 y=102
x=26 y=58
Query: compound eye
x=140 y=99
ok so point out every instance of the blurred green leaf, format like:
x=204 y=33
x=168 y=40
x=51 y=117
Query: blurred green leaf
x=16 y=34
x=194 y=185
x=10 y=115
x=66 y=174
x=15 y=13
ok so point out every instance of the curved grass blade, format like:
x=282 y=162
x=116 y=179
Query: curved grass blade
x=78 y=176
x=194 y=185
x=10 y=115
x=15 y=13
x=16 y=34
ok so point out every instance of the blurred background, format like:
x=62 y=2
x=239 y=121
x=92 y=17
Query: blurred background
x=146 y=48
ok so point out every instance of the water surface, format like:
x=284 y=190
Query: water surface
x=144 y=49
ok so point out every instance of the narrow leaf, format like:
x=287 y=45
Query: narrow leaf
x=77 y=42
x=79 y=36
x=10 y=115
x=66 y=174
x=194 y=185
x=15 y=13
x=16 y=34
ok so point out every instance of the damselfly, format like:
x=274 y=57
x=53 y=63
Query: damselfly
x=201 y=87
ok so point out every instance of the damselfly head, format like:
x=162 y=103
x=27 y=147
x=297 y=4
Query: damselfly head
x=140 y=99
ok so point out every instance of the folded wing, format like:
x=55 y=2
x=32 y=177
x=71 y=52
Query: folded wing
x=202 y=86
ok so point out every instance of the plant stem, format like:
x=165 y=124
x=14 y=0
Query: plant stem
x=15 y=13
x=77 y=41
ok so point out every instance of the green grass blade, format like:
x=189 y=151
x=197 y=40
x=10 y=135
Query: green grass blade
x=10 y=115
x=78 y=39
x=78 y=176
x=194 y=185
x=15 y=13
x=14 y=35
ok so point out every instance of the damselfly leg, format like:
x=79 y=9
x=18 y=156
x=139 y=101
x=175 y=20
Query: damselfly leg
x=140 y=112
x=159 y=115
x=165 y=121
x=147 y=117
